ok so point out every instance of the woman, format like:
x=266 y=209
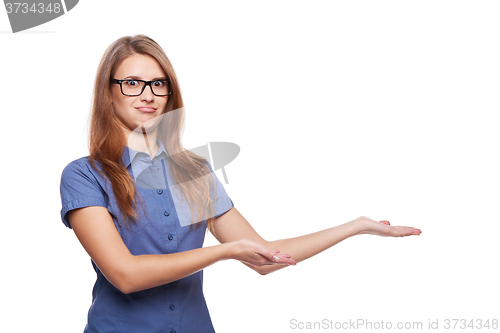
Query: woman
x=140 y=204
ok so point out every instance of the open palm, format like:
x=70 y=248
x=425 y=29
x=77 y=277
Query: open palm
x=385 y=229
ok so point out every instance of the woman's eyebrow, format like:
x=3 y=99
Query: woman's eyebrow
x=133 y=77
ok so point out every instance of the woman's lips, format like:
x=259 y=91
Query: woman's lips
x=146 y=109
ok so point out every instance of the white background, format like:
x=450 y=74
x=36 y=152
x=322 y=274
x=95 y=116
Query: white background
x=341 y=108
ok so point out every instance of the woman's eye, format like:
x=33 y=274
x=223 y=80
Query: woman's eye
x=158 y=83
x=131 y=83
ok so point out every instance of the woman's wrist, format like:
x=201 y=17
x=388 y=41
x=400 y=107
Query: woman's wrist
x=358 y=226
x=227 y=250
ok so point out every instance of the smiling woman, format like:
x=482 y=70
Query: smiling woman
x=120 y=203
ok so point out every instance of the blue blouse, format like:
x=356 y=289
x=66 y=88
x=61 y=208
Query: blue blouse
x=177 y=307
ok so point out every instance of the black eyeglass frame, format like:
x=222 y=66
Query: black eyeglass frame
x=146 y=83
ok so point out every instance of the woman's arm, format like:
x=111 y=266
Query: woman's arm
x=232 y=226
x=96 y=231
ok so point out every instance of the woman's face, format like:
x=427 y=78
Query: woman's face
x=136 y=111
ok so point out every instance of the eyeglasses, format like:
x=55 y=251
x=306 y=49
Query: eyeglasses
x=133 y=87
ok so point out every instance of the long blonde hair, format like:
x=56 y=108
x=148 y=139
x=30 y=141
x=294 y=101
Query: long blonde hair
x=107 y=140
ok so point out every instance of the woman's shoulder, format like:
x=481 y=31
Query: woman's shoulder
x=82 y=163
x=79 y=162
x=82 y=167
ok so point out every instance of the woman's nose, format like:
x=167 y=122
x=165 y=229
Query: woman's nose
x=147 y=94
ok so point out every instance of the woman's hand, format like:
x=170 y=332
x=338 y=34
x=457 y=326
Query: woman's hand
x=255 y=254
x=383 y=228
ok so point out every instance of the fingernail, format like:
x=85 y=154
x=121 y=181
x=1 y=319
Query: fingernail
x=275 y=258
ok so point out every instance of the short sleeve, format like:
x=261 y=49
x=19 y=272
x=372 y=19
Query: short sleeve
x=222 y=201
x=80 y=188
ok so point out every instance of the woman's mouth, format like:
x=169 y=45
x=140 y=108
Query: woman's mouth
x=146 y=109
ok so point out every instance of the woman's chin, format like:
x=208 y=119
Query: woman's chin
x=147 y=124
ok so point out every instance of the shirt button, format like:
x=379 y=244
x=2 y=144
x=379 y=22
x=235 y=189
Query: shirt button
x=159 y=191
x=170 y=237
x=166 y=213
x=172 y=307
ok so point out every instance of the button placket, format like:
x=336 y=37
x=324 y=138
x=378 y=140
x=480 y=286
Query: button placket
x=155 y=181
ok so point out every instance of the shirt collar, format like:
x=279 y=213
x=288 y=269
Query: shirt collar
x=129 y=154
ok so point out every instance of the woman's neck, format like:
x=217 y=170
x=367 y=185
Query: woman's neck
x=140 y=140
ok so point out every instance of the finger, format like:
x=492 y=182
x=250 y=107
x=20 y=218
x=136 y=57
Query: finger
x=279 y=258
x=407 y=231
x=261 y=259
x=385 y=222
x=283 y=255
x=415 y=231
x=268 y=254
x=284 y=259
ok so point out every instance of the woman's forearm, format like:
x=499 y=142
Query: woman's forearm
x=147 y=271
x=306 y=246
x=151 y=270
